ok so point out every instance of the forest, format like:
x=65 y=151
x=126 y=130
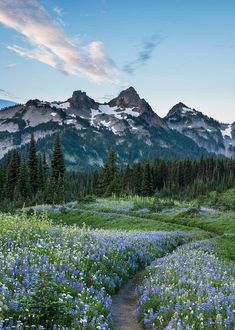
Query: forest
x=29 y=178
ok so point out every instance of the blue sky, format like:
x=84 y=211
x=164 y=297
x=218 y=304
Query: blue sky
x=169 y=50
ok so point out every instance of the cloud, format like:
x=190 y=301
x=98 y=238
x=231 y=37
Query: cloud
x=144 y=55
x=51 y=45
x=11 y=65
x=106 y=97
x=4 y=93
x=58 y=11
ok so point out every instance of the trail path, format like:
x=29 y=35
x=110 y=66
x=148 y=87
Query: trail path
x=125 y=305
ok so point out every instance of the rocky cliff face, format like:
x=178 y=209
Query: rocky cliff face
x=208 y=133
x=127 y=124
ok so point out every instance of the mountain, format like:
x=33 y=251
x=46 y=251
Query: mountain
x=6 y=103
x=89 y=129
x=208 y=133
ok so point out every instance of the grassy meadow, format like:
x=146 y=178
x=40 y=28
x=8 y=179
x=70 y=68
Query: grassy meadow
x=61 y=264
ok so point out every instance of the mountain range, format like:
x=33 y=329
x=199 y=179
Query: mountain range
x=6 y=103
x=126 y=124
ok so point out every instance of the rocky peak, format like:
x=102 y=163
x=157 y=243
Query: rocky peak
x=80 y=100
x=180 y=109
x=128 y=98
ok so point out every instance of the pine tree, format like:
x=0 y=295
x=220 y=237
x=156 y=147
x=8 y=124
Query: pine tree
x=127 y=179
x=137 y=178
x=33 y=166
x=12 y=174
x=58 y=167
x=112 y=164
x=23 y=185
x=147 y=187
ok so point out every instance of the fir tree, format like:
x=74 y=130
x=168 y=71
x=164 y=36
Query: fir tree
x=12 y=174
x=147 y=187
x=33 y=166
x=23 y=185
x=58 y=167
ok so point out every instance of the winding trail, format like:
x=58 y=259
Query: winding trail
x=125 y=305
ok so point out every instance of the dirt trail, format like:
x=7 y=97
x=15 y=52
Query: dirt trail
x=125 y=305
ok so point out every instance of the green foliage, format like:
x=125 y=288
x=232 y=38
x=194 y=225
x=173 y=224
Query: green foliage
x=45 y=307
x=122 y=213
x=86 y=199
x=27 y=180
x=58 y=167
x=223 y=201
x=33 y=165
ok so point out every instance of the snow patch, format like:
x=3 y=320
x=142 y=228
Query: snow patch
x=119 y=113
x=94 y=112
x=64 y=105
x=53 y=114
x=227 y=132
x=185 y=110
x=70 y=121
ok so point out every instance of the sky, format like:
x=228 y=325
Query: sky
x=170 y=51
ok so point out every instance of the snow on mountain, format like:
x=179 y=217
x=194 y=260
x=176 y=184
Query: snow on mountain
x=62 y=105
x=227 y=131
x=127 y=123
x=208 y=133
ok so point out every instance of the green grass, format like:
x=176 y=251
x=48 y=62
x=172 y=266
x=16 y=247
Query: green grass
x=121 y=222
x=224 y=201
x=222 y=224
x=124 y=214
x=226 y=247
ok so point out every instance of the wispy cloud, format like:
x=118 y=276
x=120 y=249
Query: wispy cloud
x=58 y=11
x=106 y=98
x=6 y=94
x=51 y=45
x=11 y=65
x=144 y=55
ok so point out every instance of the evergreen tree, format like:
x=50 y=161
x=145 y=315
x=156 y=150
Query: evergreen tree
x=147 y=187
x=23 y=185
x=12 y=174
x=33 y=166
x=58 y=167
x=112 y=164
x=137 y=179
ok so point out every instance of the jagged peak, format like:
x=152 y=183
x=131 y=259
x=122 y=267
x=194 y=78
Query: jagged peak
x=129 y=91
x=180 y=108
x=127 y=98
x=80 y=99
x=181 y=104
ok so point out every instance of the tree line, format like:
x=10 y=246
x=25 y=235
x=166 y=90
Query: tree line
x=185 y=179
x=29 y=178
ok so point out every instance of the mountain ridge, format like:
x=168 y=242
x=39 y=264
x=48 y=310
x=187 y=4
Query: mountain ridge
x=214 y=136
x=126 y=123
x=6 y=103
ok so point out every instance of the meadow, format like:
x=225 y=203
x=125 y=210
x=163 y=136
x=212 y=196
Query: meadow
x=60 y=267
x=58 y=277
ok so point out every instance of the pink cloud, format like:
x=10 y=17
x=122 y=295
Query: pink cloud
x=51 y=45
